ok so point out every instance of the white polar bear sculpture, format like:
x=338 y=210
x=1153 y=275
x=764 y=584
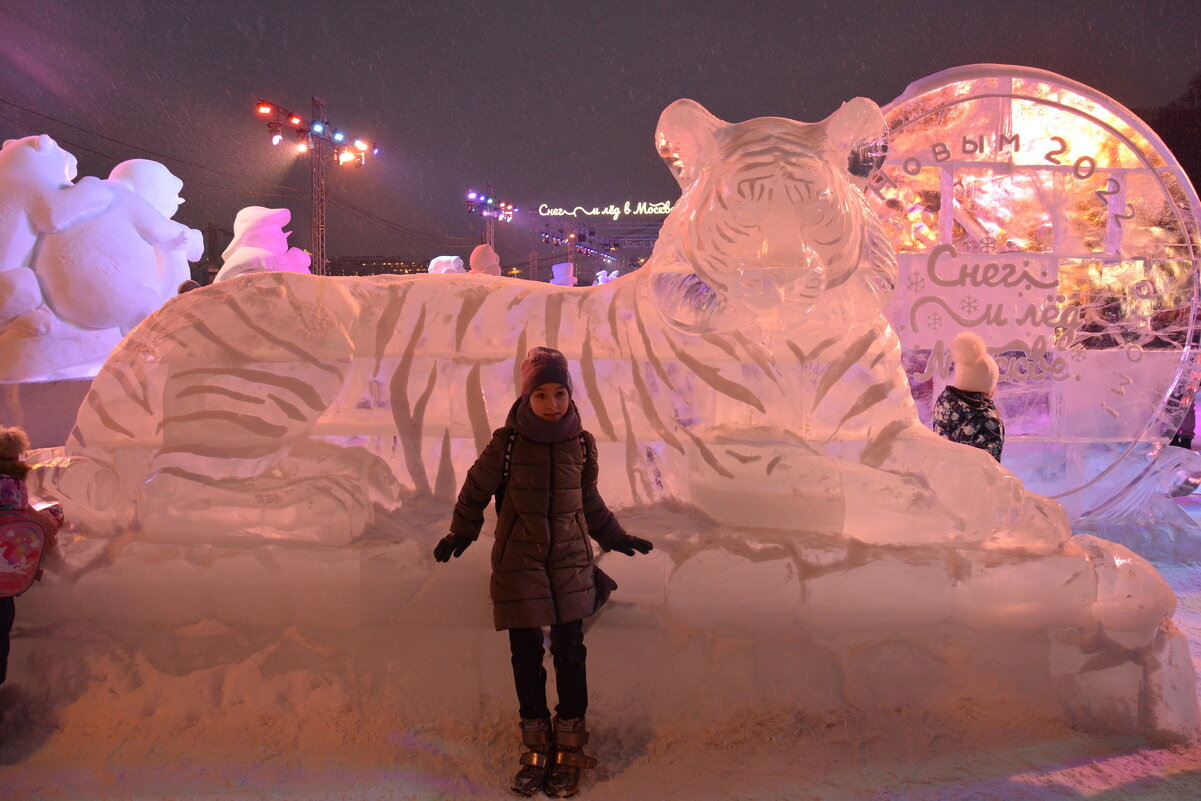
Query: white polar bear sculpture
x=446 y=264
x=38 y=198
x=747 y=370
x=260 y=245
x=80 y=266
x=116 y=268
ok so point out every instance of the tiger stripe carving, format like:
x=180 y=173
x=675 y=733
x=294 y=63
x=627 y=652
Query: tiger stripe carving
x=749 y=359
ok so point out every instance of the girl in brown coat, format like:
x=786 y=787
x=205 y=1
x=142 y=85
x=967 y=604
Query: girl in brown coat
x=542 y=468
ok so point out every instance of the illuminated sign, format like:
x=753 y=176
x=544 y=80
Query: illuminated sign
x=627 y=209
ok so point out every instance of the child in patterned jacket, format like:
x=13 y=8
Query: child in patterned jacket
x=965 y=411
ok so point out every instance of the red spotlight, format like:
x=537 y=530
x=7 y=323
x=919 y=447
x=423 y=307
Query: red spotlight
x=265 y=108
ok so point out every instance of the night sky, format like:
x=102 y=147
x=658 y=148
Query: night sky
x=550 y=102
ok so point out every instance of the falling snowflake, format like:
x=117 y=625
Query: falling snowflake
x=916 y=283
x=934 y=321
x=988 y=243
x=968 y=304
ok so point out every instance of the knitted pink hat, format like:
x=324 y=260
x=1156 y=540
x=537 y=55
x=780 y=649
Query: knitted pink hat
x=544 y=366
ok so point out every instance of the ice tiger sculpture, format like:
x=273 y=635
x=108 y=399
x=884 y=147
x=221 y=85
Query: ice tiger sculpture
x=747 y=368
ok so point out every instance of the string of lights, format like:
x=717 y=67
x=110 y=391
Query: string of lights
x=604 y=255
x=576 y=240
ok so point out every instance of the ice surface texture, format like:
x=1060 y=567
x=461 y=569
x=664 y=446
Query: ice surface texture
x=748 y=369
x=1144 y=516
x=81 y=264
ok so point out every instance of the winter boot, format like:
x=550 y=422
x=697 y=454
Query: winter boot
x=535 y=762
x=570 y=759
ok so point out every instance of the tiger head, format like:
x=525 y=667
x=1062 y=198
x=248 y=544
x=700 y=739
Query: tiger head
x=771 y=220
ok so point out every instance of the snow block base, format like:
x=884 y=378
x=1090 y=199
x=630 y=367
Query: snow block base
x=712 y=624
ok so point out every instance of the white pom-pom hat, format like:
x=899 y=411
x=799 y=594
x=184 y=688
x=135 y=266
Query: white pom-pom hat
x=975 y=369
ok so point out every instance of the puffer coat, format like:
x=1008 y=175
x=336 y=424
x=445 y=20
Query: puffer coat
x=970 y=418
x=542 y=560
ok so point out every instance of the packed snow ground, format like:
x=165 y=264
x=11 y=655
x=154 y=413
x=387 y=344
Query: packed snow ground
x=99 y=706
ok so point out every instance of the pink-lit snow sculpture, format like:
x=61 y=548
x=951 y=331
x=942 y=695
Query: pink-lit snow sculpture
x=748 y=370
x=260 y=245
x=484 y=261
x=116 y=268
x=81 y=265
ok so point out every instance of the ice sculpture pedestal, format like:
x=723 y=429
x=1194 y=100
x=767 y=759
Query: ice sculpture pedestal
x=716 y=623
x=838 y=628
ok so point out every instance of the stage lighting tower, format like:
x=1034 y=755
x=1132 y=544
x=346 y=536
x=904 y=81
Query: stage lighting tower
x=490 y=208
x=323 y=143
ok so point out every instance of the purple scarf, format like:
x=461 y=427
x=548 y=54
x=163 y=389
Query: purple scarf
x=534 y=428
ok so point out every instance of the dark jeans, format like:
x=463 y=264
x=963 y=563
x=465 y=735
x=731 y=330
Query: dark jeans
x=571 y=677
x=8 y=610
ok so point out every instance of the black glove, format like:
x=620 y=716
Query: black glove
x=628 y=545
x=451 y=544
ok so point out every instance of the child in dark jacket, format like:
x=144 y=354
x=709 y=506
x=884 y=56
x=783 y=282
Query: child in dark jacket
x=542 y=467
x=965 y=411
x=14 y=497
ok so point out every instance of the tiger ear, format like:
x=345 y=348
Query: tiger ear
x=858 y=134
x=686 y=139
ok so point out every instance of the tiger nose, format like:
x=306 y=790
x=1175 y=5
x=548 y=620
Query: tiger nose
x=784 y=247
x=781 y=239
